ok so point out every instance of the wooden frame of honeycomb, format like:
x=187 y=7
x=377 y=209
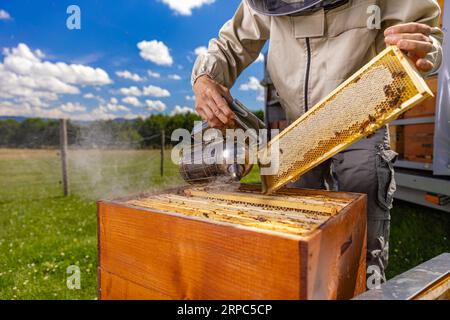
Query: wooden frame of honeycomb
x=286 y=212
x=374 y=96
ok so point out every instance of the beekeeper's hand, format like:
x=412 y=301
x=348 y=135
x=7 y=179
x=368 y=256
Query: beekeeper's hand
x=414 y=38
x=211 y=103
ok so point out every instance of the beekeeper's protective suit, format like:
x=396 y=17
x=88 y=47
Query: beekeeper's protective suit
x=315 y=46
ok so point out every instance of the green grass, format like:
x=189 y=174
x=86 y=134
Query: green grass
x=42 y=233
x=418 y=234
x=39 y=240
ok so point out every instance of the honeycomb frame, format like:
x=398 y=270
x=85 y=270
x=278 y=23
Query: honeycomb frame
x=287 y=213
x=374 y=103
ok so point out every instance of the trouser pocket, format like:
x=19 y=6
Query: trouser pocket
x=385 y=173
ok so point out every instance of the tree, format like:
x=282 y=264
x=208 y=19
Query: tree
x=8 y=129
x=42 y=133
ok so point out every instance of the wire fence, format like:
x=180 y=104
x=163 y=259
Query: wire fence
x=92 y=171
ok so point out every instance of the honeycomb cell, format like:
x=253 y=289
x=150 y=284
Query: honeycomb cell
x=294 y=214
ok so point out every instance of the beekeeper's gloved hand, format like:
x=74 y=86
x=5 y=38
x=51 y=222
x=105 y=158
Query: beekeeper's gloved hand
x=211 y=103
x=414 y=38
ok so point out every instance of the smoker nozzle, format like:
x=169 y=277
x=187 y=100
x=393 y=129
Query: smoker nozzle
x=236 y=172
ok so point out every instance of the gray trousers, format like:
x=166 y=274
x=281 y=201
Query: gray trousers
x=365 y=167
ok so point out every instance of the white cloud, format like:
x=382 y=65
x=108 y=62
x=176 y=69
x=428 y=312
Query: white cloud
x=155 y=105
x=26 y=110
x=253 y=84
x=131 y=91
x=117 y=107
x=152 y=74
x=92 y=96
x=157 y=92
x=156 y=52
x=149 y=91
x=184 y=7
x=4 y=15
x=54 y=113
x=199 y=51
x=190 y=98
x=31 y=85
x=73 y=107
x=24 y=62
x=181 y=110
x=133 y=101
x=260 y=58
x=114 y=106
x=89 y=96
x=100 y=113
x=105 y=111
x=125 y=74
x=6 y=109
x=174 y=77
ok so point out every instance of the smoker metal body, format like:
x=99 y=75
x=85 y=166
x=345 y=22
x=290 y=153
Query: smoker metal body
x=219 y=161
x=216 y=162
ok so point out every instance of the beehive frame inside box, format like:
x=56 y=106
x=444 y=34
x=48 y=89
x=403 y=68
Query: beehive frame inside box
x=197 y=243
x=377 y=94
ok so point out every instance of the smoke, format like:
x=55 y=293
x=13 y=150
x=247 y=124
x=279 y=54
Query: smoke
x=104 y=165
x=224 y=184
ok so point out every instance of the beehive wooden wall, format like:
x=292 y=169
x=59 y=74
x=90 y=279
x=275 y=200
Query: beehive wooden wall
x=147 y=253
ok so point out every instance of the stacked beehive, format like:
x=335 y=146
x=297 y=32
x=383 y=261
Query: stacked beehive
x=414 y=142
x=419 y=137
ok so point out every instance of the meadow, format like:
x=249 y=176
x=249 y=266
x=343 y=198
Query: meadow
x=42 y=232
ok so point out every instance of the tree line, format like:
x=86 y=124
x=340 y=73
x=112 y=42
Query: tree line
x=139 y=133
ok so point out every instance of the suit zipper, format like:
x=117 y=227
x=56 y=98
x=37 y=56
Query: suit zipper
x=308 y=70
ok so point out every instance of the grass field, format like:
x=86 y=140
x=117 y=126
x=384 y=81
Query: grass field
x=42 y=233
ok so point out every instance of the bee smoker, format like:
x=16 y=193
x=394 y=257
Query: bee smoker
x=225 y=163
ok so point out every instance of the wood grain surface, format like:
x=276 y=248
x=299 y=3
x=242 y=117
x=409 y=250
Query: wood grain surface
x=149 y=254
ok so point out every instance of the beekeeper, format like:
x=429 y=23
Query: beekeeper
x=315 y=46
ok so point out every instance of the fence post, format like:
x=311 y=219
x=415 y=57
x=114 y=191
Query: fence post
x=63 y=151
x=163 y=142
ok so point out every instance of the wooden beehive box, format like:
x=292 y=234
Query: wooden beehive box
x=419 y=142
x=222 y=244
x=426 y=108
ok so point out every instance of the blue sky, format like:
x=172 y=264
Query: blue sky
x=48 y=70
